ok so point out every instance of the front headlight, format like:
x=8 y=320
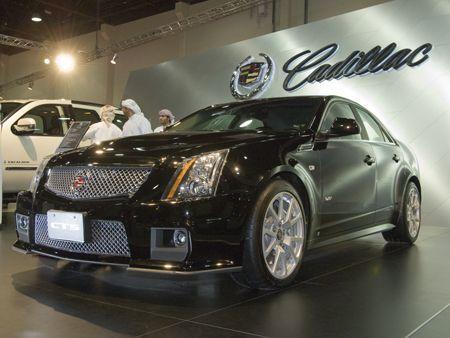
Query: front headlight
x=38 y=175
x=198 y=176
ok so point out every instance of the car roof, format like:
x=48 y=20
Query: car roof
x=54 y=101
x=324 y=98
x=15 y=101
x=58 y=101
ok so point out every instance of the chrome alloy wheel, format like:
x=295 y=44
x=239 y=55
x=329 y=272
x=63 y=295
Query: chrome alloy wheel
x=283 y=235
x=413 y=212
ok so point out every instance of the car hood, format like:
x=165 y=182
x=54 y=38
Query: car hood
x=141 y=150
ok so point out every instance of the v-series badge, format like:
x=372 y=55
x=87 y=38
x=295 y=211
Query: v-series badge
x=357 y=63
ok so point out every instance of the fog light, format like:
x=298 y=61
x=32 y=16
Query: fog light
x=22 y=227
x=169 y=244
x=179 y=238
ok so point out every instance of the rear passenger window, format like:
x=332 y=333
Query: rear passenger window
x=120 y=120
x=339 y=110
x=81 y=114
x=374 y=131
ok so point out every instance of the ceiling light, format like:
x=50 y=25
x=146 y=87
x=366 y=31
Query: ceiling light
x=36 y=17
x=113 y=60
x=47 y=61
x=65 y=62
x=30 y=85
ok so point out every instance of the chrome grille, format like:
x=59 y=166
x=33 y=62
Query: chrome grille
x=96 y=182
x=107 y=238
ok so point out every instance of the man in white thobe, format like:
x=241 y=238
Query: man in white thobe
x=105 y=130
x=137 y=123
x=166 y=118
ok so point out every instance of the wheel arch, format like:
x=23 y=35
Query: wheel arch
x=302 y=183
x=416 y=181
x=410 y=177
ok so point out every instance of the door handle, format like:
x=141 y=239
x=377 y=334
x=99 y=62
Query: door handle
x=396 y=158
x=369 y=160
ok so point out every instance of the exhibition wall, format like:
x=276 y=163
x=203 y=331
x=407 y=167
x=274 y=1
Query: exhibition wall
x=413 y=101
x=99 y=81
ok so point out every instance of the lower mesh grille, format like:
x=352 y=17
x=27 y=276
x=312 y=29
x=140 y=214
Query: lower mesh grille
x=108 y=238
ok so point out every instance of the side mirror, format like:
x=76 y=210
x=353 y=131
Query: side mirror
x=25 y=126
x=343 y=127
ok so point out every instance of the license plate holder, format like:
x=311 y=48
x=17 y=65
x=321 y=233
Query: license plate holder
x=67 y=226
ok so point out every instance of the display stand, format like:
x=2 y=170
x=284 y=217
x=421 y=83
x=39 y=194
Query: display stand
x=74 y=136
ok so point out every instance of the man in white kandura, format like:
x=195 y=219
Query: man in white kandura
x=104 y=130
x=166 y=118
x=137 y=123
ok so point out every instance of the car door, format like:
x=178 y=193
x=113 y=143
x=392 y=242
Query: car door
x=23 y=153
x=387 y=154
x=348 y=176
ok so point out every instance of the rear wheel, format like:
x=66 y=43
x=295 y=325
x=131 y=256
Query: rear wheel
x=408 y=225
x=275 y=239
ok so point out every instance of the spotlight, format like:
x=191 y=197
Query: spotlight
x=36 y=17
x=65 y=62
x=113 y=60
x=30 y=85
x=47 y=61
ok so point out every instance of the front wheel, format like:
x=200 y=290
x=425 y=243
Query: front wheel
x=408 y=225
x=275 y=239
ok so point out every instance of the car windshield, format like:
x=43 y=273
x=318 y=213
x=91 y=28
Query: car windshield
x=281 y=115
x=7 y=108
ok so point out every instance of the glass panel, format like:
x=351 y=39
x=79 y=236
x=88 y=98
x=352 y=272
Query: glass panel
x=339 y=110
x=373 y=129
x=48 y=120
x=81 y=114
x=120 y=120
x=7 y=108
x=254 y=116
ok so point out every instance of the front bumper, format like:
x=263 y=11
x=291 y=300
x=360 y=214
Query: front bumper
x=215 y=227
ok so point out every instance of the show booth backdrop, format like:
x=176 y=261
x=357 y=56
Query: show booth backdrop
x=411 y=96
x=1 y=180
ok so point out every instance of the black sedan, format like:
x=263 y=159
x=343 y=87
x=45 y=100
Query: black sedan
x=242 y=187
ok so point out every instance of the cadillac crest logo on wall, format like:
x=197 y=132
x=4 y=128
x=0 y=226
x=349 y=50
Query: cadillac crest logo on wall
x=251 y=78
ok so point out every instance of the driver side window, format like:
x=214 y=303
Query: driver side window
x=338 y=110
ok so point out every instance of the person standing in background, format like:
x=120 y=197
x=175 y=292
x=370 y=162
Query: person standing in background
x=104 y=130
x=166 y=118
x=137 y=123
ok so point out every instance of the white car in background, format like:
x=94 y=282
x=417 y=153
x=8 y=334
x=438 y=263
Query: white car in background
x=33 y=129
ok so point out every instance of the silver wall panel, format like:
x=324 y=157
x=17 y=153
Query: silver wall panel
x=413 y=102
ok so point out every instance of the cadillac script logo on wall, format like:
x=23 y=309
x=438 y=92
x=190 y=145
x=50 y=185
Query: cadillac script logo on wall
x=251 y=77
x=357 y=63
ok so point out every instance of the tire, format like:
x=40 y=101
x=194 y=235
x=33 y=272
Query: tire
x=281 y=234
x=408 y=224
